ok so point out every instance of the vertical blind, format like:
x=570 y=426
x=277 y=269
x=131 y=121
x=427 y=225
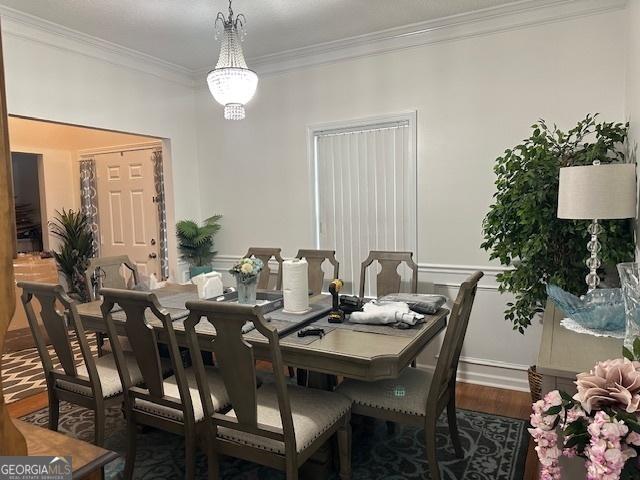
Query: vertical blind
x=365 y=194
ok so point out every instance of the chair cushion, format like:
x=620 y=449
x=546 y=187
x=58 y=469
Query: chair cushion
x=313 y=412
x=108 y=374
x=405 y=394
x=216 y=387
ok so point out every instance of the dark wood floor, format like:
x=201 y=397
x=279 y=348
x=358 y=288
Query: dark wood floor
x=471 y=397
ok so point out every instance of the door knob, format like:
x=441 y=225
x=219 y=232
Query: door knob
x=153 y=255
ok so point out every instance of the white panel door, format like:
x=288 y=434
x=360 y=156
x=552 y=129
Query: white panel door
x=128 y=215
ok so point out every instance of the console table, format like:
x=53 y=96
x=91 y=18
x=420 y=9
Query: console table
x=563 y=354
x=87 y=459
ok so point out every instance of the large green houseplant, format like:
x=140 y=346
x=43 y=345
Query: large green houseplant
x=521 y=228
x=196 y=243
x=76 y=248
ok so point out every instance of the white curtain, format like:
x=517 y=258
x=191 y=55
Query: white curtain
x=365 y=194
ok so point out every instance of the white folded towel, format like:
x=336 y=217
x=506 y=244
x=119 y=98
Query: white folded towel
x=209 y=284
x=247 y=327
x=387 y=313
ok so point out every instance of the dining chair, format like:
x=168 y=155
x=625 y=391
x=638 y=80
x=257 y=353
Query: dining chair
x=315 y=259
x=266 y=254
x=388 y=279
x=93 y=384
x=278 y=425
x=171 y=404
x=111 y=272
x=417 y=396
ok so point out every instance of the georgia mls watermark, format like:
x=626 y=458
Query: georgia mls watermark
x=35 y=468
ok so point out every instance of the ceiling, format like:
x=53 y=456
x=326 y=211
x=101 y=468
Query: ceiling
x=181 y=31
x=38 y=134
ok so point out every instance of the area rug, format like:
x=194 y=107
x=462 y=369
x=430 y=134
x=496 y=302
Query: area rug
x=22 y=372
x=495 y=449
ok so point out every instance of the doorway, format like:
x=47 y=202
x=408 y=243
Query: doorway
x=26 y=190
x=115 y=178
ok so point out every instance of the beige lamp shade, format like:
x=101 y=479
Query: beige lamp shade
x=597 y=192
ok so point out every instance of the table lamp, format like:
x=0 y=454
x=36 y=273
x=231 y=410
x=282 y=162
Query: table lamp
x=597 y=192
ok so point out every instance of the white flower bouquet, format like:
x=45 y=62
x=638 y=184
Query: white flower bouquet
x=247 y=270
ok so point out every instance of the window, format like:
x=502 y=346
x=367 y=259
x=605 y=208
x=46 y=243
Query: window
x=364 y=177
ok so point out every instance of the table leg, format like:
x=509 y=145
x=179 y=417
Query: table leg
x=321 y=381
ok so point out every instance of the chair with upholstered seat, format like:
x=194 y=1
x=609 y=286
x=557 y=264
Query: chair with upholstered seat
x=315 y=259
x=95 y=383
x=418 y=397
x=388 y=279
x=172 y=404
x=110 y=272
x=266 y=254
x=277 y=425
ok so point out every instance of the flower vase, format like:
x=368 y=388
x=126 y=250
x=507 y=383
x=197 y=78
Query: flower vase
x=247 y=291
x=630 y=281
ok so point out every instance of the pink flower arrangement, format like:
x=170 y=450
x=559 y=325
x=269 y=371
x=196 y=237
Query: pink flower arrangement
x=600 y=423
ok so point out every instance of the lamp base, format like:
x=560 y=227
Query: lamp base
x=593 y=262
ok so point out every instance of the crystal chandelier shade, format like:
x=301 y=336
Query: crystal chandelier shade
x=231 y=83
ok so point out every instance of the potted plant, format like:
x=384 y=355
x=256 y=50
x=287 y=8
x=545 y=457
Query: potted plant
x=196 y=243
x=76 y=248
x=522 y=229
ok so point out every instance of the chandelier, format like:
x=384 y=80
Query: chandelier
x=231 y=83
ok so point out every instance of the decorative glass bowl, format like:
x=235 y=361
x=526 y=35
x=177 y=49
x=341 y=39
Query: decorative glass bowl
x=599 y=312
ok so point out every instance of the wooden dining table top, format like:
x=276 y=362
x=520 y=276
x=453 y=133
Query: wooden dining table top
x=364 y=352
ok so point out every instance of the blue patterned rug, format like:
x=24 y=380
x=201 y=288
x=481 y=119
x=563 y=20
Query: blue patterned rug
x=495 y=449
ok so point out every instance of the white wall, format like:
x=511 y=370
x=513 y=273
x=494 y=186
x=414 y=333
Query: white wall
x=633 y=69
x=474 y=97
x=58 y=78
x=633 y=85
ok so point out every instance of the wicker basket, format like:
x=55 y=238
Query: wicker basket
x=535 y=383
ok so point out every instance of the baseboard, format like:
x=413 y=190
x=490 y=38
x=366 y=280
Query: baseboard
x=490 y=374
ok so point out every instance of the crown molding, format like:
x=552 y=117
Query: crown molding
x=511 y=16
x=22 y=25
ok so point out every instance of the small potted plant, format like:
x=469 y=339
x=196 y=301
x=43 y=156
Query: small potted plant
x=196 y=243
x=246 y=273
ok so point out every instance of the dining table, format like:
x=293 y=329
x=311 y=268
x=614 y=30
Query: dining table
x=362 y=352
x=358 y=351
